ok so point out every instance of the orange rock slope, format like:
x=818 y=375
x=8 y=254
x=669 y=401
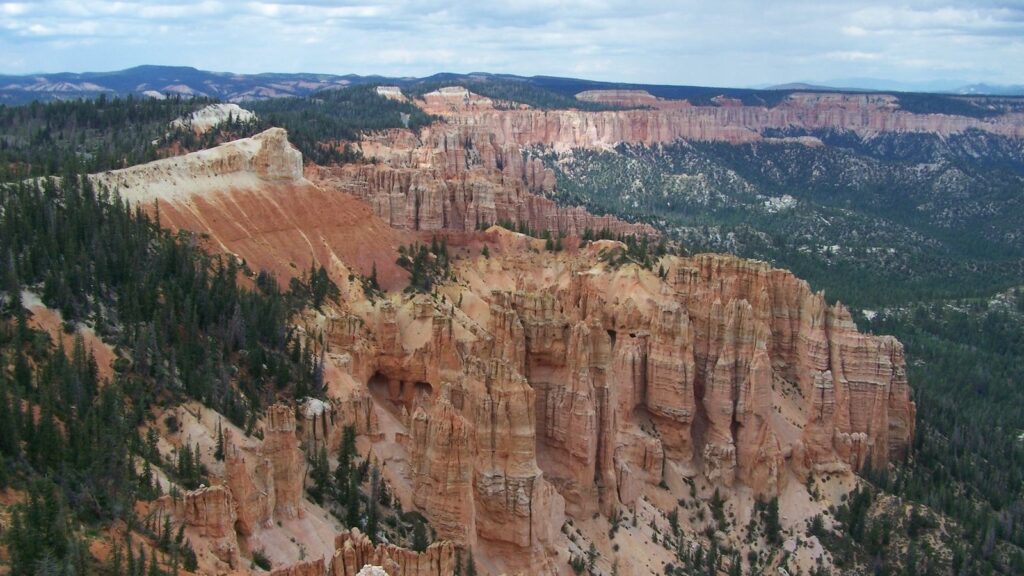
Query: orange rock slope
x=533 y=388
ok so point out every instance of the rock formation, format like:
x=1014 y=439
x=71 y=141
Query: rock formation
x=458 y=178
x=355 y=550
x=307 y=568
x=208 y=515
x=722 y=366
x=208 y=117
x=535 y=384
x=281 y=449
x=729 y=121
x=266 y=157
x=252 y=487
x=579 y=385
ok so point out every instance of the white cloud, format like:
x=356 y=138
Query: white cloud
x=944 y=20
x=733 y=42
x=852 y=56
x=87 y=28
x=14 y=8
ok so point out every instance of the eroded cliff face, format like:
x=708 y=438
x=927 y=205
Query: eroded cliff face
x=355 y=551
x=208 y=514
x=533 y=388
x=661 y=121
x=459 y=177
x=471 y=170
x=539 y=383
x=728 y=365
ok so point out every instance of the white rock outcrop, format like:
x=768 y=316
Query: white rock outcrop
x=210 y=116
x=242 y=164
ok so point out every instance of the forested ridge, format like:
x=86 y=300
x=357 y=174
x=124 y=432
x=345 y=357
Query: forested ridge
x=968 y=357
x=321 y=124
x=925 y=217
x=88 y=136
x=186 y=328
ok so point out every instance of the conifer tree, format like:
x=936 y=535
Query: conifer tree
x=154 y=566
x=373 y=507
x=374 y=284
x=419 y=537
x=352 y=500
x=218 y=453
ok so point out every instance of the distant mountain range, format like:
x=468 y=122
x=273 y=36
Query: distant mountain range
x=161 y=80
x=960 y=87
x=158 y=81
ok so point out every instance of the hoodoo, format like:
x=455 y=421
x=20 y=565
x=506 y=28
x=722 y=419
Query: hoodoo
x=422 y=329
x=535 y=387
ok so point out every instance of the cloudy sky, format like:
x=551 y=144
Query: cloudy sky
x=721 y=42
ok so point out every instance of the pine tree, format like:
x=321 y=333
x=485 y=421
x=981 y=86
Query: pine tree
x=165 y=533
x=115 y=564
x=185 y=464
x=673 y=520
x=131 y=568
x=191 y=562
x=372 y=507
x=419 y=537
x=154 y=566
x=218 y=453
x=320 y=474
x=10 y=436
x=772 y=527
x=352 y=500
x=343 y=472
x=22 y=372
x=319 y=372
x=141 y=565
x=374 y=284
x=39 y=530
x=147 y=483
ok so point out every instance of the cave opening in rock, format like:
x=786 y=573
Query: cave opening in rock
x=395 y=394
x=385 y=391
x=378 y=385
x=422 y=395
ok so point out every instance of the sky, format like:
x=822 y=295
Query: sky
x=699 y=42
